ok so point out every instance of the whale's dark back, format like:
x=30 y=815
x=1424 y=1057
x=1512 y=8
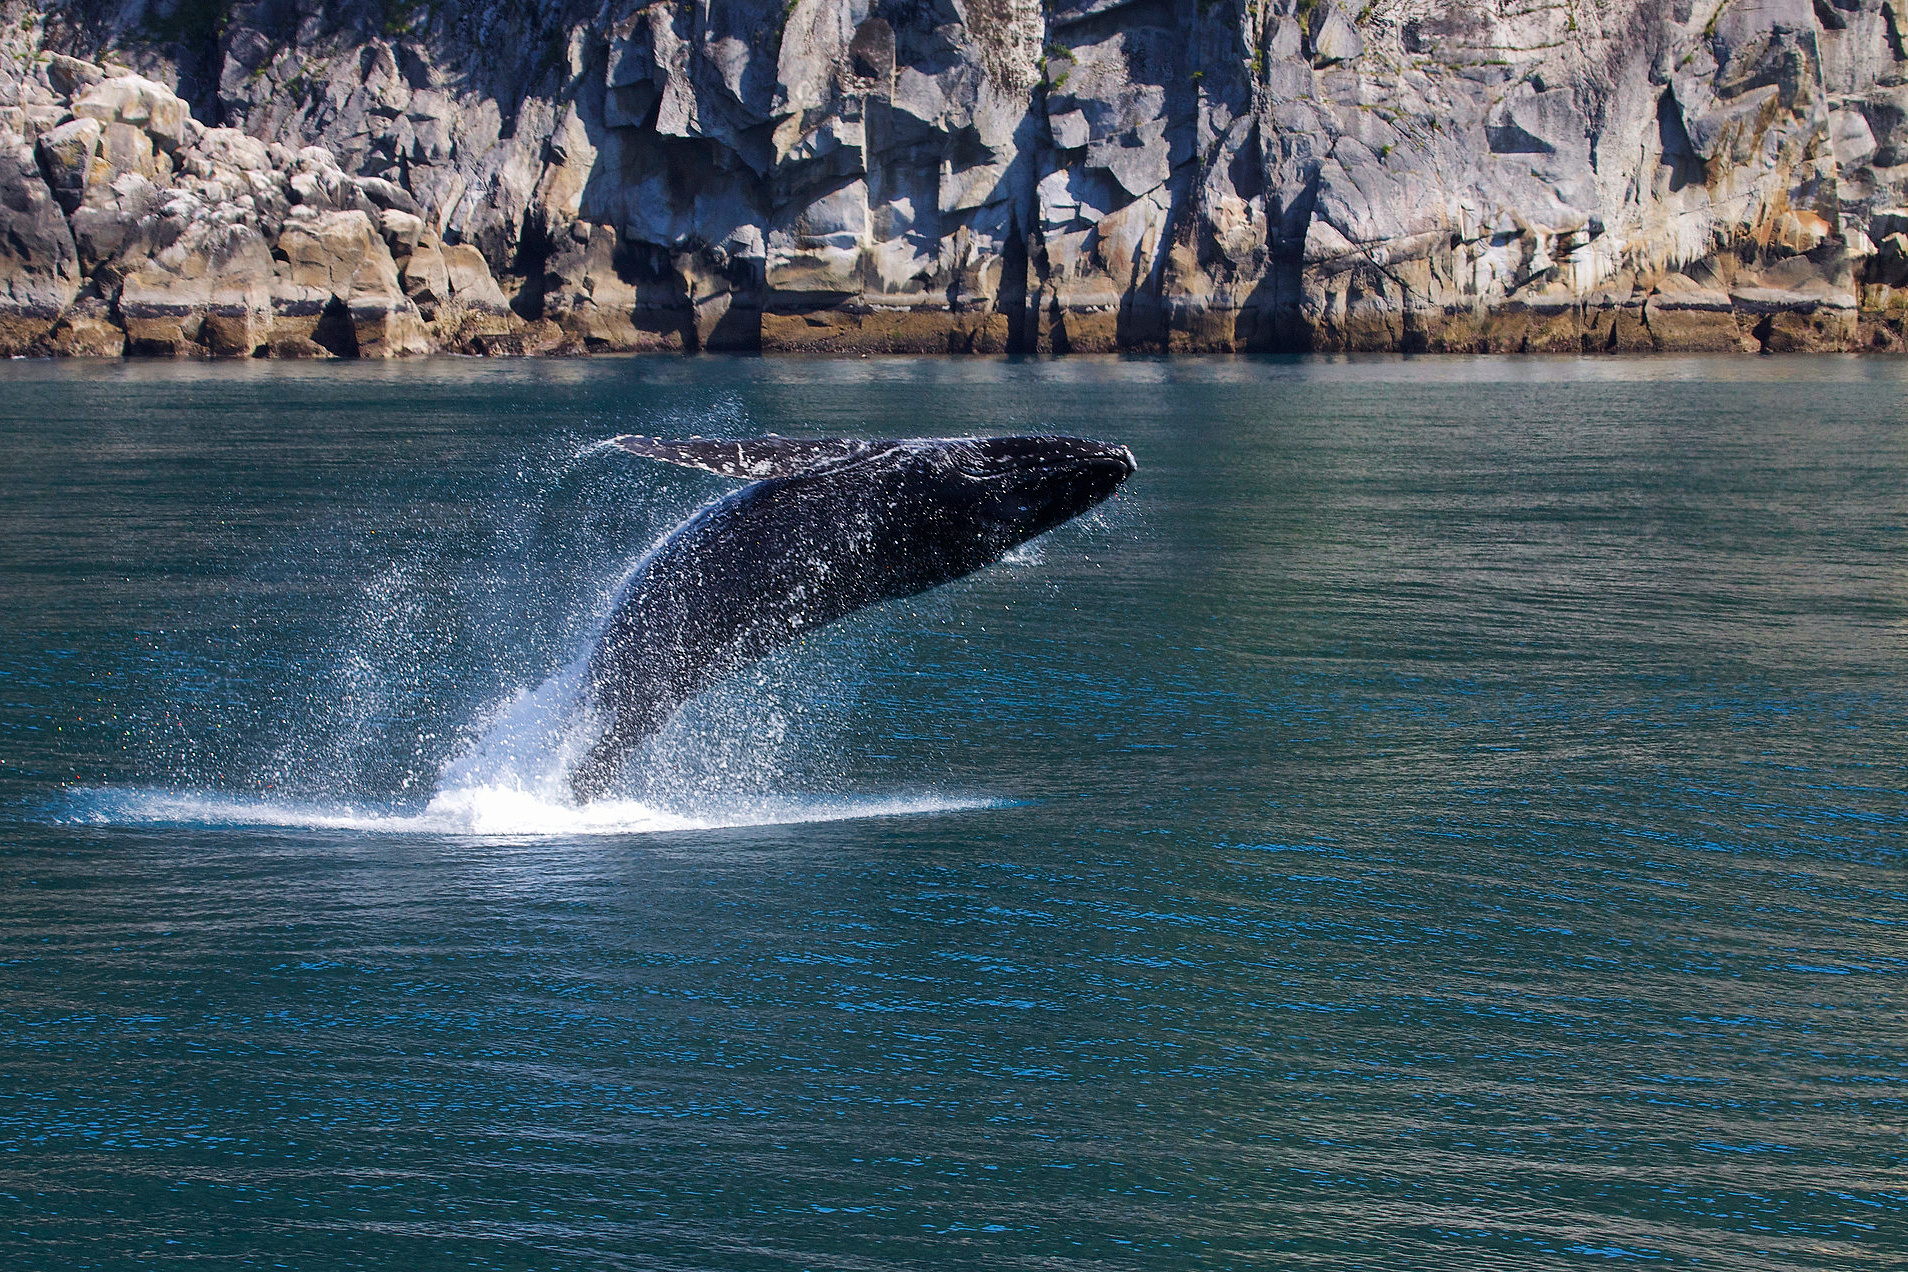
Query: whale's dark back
x=809 y=545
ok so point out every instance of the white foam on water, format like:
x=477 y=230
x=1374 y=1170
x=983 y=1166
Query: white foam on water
x=485 y=812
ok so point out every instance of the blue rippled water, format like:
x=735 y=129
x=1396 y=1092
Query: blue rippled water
x=1445 y=814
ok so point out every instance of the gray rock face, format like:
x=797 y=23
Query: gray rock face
x=957 y=175
x=39 y=267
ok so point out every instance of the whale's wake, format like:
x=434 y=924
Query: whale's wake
x=485 y=812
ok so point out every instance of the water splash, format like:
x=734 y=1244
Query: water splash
x=489 y=812
x=722 y=761
x=716 y=764
x=365 y=707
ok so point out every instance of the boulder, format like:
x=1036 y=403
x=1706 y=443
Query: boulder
x=471 y=283
x=222 y=149
x=338 y=253
x=1683 y=316
x=387 y=195
x=67 y=154
x=133 y=219
x=296 y=346
x=1334 y=38
x=70 y=75
x=387 y=327
x=402 y=231
x=426 y=278
x=343 y=257
x=141 y=103
x=208 y=293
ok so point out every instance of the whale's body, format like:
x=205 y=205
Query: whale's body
x=827 y=528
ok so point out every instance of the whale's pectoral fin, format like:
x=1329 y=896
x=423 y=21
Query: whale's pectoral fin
x=754 y=459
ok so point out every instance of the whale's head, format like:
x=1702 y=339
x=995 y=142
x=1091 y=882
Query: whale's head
x=933 y=508
x=996 y=493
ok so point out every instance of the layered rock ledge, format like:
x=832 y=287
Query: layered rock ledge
x=292 y=178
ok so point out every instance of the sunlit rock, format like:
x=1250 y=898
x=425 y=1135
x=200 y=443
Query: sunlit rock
x=1087 y=174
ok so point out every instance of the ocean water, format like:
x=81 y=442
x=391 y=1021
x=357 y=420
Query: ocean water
x=1444 y=814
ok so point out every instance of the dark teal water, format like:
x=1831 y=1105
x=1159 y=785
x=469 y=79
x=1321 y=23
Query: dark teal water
x=1446 y=814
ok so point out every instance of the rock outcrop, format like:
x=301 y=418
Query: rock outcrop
x=296 y=178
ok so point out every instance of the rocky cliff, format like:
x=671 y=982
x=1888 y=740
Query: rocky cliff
x=385 y=177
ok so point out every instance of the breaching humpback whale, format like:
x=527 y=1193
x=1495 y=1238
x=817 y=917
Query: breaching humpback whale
x=823 y=528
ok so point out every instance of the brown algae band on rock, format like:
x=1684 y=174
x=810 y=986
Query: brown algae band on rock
x=971 y=176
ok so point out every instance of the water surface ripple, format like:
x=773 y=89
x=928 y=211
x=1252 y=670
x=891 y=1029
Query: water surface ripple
x=1446 y=814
